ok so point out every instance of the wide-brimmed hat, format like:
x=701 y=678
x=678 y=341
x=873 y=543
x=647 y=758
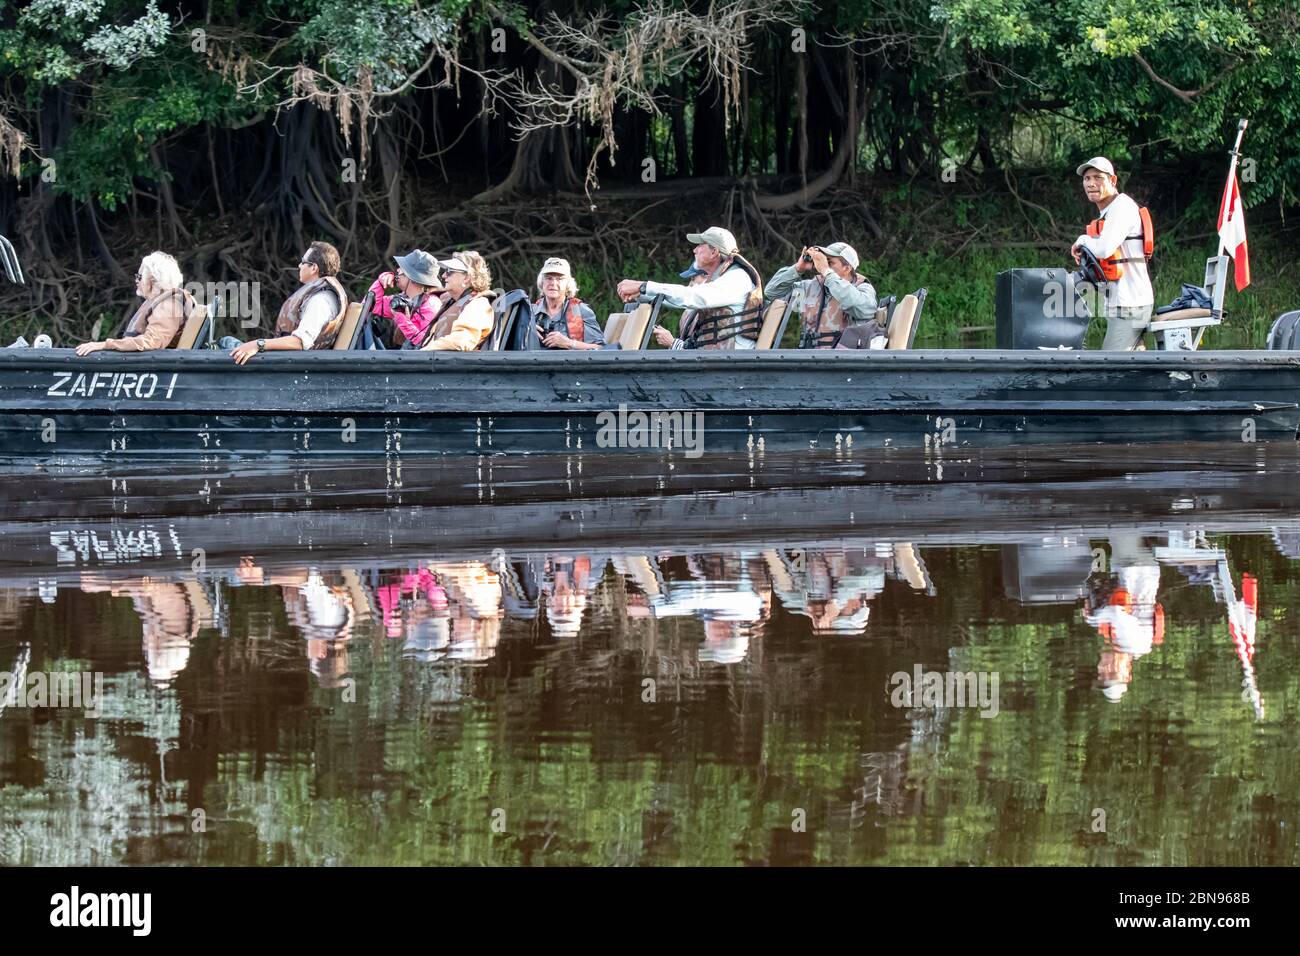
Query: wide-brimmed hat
x=719 y=238
x=419 y=266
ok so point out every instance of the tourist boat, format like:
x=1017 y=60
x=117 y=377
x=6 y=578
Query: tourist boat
x=195 y=403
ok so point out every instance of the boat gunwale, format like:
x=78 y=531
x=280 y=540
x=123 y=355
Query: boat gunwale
x=410 y=360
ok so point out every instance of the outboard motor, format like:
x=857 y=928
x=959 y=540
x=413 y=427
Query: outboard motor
x=1041 y=308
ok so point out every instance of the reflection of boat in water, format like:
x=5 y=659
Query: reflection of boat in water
x=445 y=578
x=1183 y=477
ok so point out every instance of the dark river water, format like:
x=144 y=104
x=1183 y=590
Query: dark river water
x=1007 y=665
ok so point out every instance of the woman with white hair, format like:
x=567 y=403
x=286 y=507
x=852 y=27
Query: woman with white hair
x=561 y=318
x=465 y=318
x=158 y=322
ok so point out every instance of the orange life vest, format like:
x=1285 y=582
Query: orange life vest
x=1112 y=266
x=573 y=320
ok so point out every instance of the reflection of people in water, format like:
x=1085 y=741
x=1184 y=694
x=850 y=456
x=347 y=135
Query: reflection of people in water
x=474 y=601
x=171 y=613
x=730 y=591
x=1122 y=607
x=321 y=610
x=832 y=587
x=567 y=583
x=407 y=598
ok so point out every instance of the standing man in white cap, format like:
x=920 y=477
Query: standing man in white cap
x=837 y=298
x=723 y=307
x=1120 y=238
x=560 y=319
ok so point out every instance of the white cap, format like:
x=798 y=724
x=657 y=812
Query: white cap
x=453 y=265
x=719 y=238
x=557 y=266
x=844 y=251
x=1115 y=691
x=1097 y=162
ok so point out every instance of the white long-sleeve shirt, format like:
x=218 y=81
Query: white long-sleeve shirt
x=1120 y=221
x=729 y=291
x=319 y=309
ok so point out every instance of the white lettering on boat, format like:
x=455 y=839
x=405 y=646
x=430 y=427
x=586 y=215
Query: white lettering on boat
x=77 y=546
x=112 y=384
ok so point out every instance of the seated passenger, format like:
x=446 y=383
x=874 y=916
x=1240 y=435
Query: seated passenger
x=415 y=304
x=723 y=306
x=311 y=317
x=465 y=319
x=560 y=318
x=836 y=299
x=158 y=322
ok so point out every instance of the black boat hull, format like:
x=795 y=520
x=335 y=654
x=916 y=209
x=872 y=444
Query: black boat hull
x=343 y=406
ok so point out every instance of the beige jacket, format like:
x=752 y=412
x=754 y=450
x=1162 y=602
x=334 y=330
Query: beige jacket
x=462 y=330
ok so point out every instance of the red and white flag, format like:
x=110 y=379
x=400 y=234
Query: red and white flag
x=1232 y=231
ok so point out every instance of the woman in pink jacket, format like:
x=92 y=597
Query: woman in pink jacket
x=414 y=306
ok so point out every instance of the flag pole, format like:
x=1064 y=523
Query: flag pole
x=1232 y=172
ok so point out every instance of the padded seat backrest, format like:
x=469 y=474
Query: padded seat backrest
x=197 y=330
x=614 y=327
x=900 y=327
x=1216 y=274
x=505 y=313
x=774 y=320
x=636 y=327
x=349 y=328
x=916 y=316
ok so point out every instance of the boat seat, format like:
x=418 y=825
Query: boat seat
x=775 y=319
x=1181 y=330
x=614 y=327
x=351 y=326
x=640 y=323
x=902 y=326
x=198 y=329
x=885 y=310
x=1282 y=336
x=916 y=317
x=505 y=312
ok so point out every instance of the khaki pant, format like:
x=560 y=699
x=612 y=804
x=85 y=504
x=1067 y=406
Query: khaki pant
x=1124 y=329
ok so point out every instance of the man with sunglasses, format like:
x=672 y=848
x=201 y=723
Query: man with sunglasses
x=311 y=317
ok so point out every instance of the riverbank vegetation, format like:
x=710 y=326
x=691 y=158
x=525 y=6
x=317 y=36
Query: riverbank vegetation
x=940 y=139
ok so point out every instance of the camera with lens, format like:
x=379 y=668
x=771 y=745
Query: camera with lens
x=401 y=301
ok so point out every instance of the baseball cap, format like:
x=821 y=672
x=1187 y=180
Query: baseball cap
x=1097 y=162
x=844 y=251
x=557 y=266
x=719 y=238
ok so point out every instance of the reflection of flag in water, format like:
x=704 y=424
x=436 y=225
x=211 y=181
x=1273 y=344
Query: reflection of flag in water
x=1242 y=615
